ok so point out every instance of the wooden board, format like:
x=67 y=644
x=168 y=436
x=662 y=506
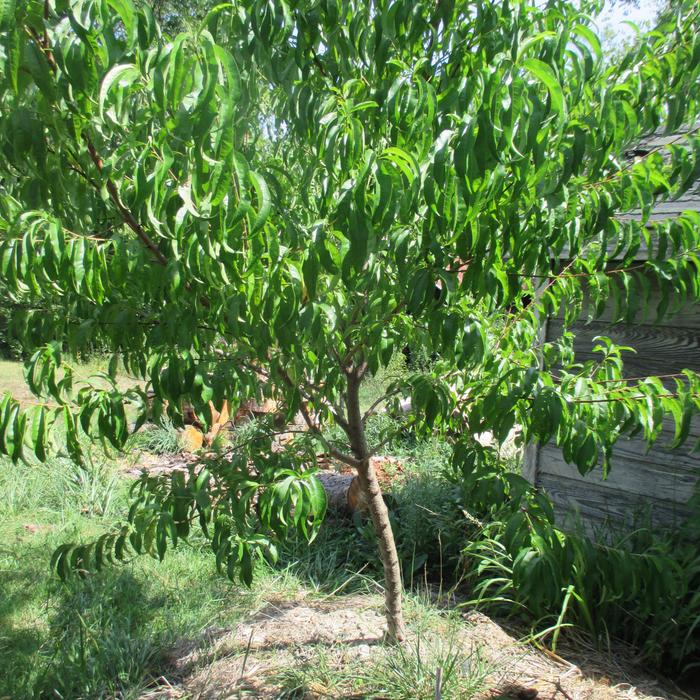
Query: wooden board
x=634 y=476
x=638 y=477
x=688 y=316
x=660 y=349
x=596 y=503
x=665 y=209
x=659 y=480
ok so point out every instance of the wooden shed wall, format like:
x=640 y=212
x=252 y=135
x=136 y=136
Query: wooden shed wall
x=658 y=481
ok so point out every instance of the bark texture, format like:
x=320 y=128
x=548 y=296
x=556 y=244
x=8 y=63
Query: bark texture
x=342 y=492
x=369 y=485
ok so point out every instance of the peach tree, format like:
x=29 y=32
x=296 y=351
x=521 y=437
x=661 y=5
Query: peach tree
x=280 y=198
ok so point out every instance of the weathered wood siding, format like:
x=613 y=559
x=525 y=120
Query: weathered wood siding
x=657 y=482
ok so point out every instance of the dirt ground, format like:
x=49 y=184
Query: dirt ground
x=249 y=660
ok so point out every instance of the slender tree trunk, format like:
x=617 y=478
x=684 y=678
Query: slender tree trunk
x=393 y=588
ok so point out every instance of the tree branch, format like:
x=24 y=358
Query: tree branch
x=316 y=430
x=124 y=212
x=370 y=411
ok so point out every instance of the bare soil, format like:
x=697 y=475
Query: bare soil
x=247 y=662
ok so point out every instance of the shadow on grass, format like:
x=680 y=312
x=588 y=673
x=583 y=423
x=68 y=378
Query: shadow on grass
x=105 y=636
x=84 y=639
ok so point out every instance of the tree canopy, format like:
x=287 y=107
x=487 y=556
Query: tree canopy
x=283 y=196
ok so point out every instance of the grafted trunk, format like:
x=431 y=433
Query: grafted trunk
x=393 y=587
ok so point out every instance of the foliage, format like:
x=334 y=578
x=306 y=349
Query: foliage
x=161 y=439
x=429 y=525
x=9 y=349
x=275 y=200
x=427 y=517
x=412 y=672
x=642 y=588
x=241 y=512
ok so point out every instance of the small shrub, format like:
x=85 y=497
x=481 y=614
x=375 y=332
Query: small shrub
x=160 y=439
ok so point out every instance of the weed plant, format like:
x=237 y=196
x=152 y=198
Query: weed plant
x=158 y=439
x=642 y=587
x=412 y=671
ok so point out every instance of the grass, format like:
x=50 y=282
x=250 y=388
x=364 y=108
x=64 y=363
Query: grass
x=111 y=634
x=12 y=377
x=435 y=656
x=413 y=671
x=104 y=636
x=161 y=439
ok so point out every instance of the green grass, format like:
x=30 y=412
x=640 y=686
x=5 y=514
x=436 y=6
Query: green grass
x=105 y=635
x=161 y=439
x=12 y=377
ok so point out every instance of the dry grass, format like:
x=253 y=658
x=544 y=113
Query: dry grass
x=303 y=647
x=12 y=381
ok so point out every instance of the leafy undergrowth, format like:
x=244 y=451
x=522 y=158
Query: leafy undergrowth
x=114 y=634
x=176 y=628
x=641 y=587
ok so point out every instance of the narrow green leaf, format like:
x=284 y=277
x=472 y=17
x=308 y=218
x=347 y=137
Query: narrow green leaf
x=545 y=74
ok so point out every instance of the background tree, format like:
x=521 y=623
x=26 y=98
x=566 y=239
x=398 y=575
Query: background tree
x=268 y=202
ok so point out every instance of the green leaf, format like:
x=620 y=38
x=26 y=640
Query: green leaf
x=264 y=202
x=7 y=14
x=38 y=433
x=403 y=161
x=546 y=75
x=122 y=75
x=14 y=432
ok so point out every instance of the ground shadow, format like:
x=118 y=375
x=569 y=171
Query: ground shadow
x=86 y=638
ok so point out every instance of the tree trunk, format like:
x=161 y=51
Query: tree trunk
x=396 y=629
x=387 y=549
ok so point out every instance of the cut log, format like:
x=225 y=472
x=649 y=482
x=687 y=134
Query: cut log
x=219 y=419
x=191 y=438
x=342 y=492
x=252 y=409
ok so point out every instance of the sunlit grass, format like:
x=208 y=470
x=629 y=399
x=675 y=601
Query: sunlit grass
x=12 y=377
